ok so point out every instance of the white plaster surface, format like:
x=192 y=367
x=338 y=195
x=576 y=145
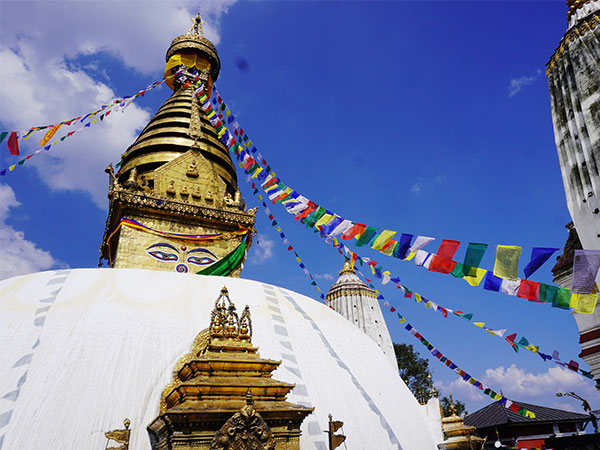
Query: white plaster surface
x=81 y=350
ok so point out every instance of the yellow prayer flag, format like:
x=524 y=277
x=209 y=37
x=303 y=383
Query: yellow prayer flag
x=428 y=305
x=257 y=172
x=49 y=134
x=507 y=261
x=385 y=236
x=529 y=414
x=533 y=348
x=574 y=301
x=95 y=120
x=324 y=220
x=402 y=320
x=479 y=324
x=474 y=281
x=586 y=303
x=410 y=256
x=417 y=298
x=227 y=112
x=11 y=168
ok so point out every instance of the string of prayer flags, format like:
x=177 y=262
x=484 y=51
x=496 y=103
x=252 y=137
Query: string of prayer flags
x=503 y=278
x=522 y=343
x=585 y=270
x=104 y=111
x=538 y=257
x=507 y=261
x=501 y=399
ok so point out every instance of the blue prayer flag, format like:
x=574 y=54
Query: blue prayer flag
x=539 y=256
x=492 y=282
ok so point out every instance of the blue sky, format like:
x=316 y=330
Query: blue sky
x=431 y=118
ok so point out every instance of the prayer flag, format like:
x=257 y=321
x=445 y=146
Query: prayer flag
x=492 y=282
x=355 y=229
x=473 y=257
x=382 y=239
x=13 y=144
x=585 y=270
x=420 y=242
x=529 y=289
x=388 y=248
x=401 y=250
x=510 y=287
x=563 y=299
x=507 y=261
x=548 y=293
x=585 y=303
x=538 y=257
x=324 y=220
x=475 y=280
x=442 y=260
x=3 y=135
x=314 y=217
x=332 y=226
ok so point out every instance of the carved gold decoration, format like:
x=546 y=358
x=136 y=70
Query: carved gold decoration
x=245 y=430
x=171 y=188
x=193 y=169
x=578 y=32
x=184 y=192
x=119 y=436
x=209 y=404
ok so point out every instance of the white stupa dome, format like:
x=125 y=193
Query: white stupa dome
x=83 y=349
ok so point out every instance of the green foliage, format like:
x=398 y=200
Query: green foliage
x=458 y=406
x=414 y=370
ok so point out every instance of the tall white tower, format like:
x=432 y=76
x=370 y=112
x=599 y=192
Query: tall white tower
x=353 y=299
x=574 y=81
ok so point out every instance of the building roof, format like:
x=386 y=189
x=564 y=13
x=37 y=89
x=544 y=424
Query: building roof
x=495 y=414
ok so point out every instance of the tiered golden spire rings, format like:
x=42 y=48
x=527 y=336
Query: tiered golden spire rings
x=225 y=322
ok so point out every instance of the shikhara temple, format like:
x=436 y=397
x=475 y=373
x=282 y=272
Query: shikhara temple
x=145 y=354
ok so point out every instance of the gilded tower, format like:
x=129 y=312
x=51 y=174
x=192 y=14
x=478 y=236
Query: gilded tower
x=352 y=298
x=574 y=80
x=175 y=203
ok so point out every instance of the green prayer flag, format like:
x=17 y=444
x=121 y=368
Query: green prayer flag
x=473 y=258
x=228 y=264
x=458 y=271
x=21 y=162
x=366 y=236
x=563 y=299
x=314 y=217
x=548 y=293
x=3 y=135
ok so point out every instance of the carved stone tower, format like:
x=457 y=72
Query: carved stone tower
x=354 y=300
x=574 y=81
x=175 y=202
x=223 y=397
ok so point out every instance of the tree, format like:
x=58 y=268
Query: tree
x=414 y=371
x=458 y=406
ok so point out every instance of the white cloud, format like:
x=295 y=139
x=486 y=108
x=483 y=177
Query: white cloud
x=517 y=84
x=38 y=87
x=426 y=184
x=324 y=276
x=19 y=256
x=263 y=250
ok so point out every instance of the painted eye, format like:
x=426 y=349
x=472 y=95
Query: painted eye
x=163 y=256
x=200 y=260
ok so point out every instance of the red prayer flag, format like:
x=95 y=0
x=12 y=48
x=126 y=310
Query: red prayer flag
x=529 y=289
x=442 y=260
x=307 y=211
x=356 y=229
x=392 y=309
x=13 y=143
x=444 y=311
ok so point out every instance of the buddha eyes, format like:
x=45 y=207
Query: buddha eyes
x=163 y=256
x=200 y=260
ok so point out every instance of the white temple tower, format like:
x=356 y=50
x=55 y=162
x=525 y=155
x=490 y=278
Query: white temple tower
x=574 y=81
x=353 y=299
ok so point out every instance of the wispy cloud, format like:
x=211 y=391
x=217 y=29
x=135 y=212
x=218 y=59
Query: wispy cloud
x=263 y=250
x=516 y=85
x=324 y=276
x=426 y=184
x=19 y=256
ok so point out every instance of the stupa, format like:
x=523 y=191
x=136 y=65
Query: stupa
x=83 y=349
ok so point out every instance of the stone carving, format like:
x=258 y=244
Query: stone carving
x=245 y=430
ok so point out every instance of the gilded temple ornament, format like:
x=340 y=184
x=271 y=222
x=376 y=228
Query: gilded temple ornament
x=197 y=26
x=192 y=171
x=245 y=430
x=119 y=436
x=171 y=188
x=184 y=192
x=196 y=194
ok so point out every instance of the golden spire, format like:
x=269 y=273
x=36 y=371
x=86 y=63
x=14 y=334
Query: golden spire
x=197 y=26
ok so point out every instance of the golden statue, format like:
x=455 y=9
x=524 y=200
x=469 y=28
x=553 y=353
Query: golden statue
x=119 y=436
